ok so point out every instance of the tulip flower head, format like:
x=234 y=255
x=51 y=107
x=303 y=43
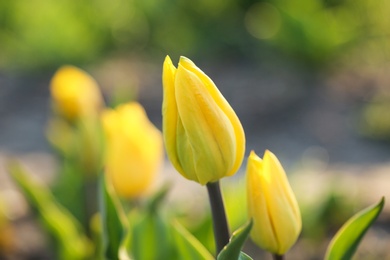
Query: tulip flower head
x=203 y=136
x=271 y=204
x=134 y=149
x=75 y=94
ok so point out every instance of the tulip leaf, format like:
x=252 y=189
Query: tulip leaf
x=154 y=203
x=244 y=256
x=150 y=229
x=151 y=237
x=232 y=251
x=124 y=249
x=347 y=239
x=187 y=246
x=60 y=223
x=112 y=220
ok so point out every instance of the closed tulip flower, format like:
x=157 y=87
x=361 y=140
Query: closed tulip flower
x=203 y=136
x=271 y=204
x=134 y=149
x=75 y=94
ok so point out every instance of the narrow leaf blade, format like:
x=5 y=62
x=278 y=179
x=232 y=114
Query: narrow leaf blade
x=151 y=237
x=244 y=256
x=151 y=229
x=347 y=239
x=232 y=251
x=112 y=218
x=59 y=222
x=187 y=246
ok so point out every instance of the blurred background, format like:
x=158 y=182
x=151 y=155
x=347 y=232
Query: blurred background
x=308 y=79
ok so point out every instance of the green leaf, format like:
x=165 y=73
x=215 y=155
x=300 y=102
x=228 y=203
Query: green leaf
x=232 y=251
x=347 y=239
x=70 y=175
x=112 y=219
x=124 y=249
x=202 y=230
x=151 y=237
x=151 y=230
x=244 y=256
x=154 y=203
x=187 y=246
x=71 y=241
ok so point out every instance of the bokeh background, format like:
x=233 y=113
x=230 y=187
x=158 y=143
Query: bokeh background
x=308 y=79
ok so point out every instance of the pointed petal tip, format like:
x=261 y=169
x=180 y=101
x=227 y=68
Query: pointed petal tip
x=186 y=61
x=184 y=58
x=254 y=157
x=268 y=153
x=167 y=59
x=168 y=67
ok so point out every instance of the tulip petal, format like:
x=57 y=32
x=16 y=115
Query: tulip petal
x=272 y=204
x=226 y=109
x=134 y=149
x=170 y=114
x=185 y=153
x=283 y=208
x=203 y=137
x=263 y=228
x=75 y=93
x=208 y=130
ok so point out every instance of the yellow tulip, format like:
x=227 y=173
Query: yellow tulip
x=203 y=136
x=134 y=149
x=75 y=94
x=271 y=204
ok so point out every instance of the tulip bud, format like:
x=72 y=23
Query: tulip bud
x=75 y=94
x=271 y=204
x=203 y=137
x=134 y=149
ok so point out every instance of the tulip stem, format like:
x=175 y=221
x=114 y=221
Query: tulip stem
x=90 y=201
x=221 y=230
x=278 y=257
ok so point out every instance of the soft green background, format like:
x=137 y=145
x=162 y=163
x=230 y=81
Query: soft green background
x=43 y=33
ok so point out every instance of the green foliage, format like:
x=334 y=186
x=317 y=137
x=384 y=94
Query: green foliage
x=187 y=246
x=146 y=228
x=149 y=232
x=80 y=155
x=112 y=220
x=168 y=238
x=202 y=230
x=325 y=216
x=232 y=251
x=54 y=33
x=72 y=199
x=234 y=195
x=67 y=232
x=295 y=26
x=347 y=239
x=374 y=123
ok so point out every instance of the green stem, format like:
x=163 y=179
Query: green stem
x=89 y=201
x=221 y=230
x=278 y=257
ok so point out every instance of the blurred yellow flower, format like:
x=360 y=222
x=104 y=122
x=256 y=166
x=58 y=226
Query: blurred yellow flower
x=134 y=149
x=203 y=136
x=75 y=94
x=271 y=204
